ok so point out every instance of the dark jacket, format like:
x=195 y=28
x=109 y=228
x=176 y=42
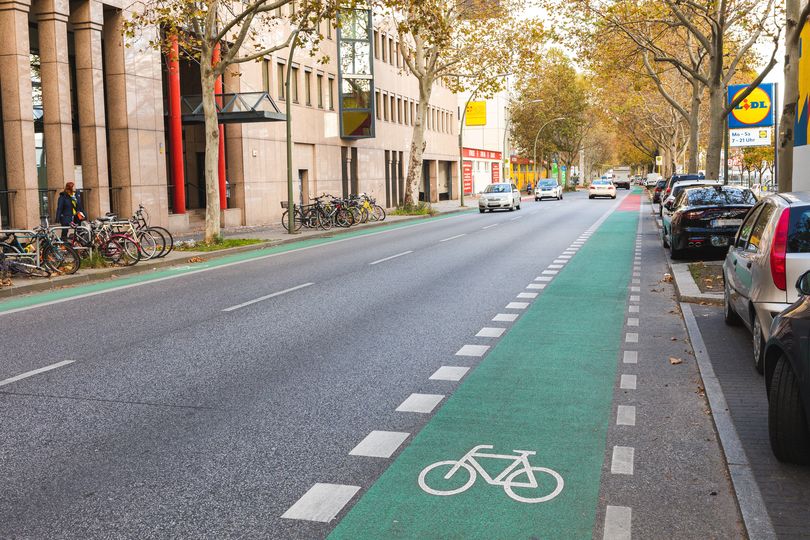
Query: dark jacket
x=64 y=208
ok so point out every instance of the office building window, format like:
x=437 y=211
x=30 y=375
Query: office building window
x=294 y=84
x=376 y=45
x=308 y=88
x=377 y=104
x=319 y=89
x=266 y=75
x=281 y=79
x=330 y=92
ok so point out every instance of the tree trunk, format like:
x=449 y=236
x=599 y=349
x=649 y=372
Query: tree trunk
x=717 y=117
x=694 y=126
x=418 y=144
x=212 y=211
x=791 y=100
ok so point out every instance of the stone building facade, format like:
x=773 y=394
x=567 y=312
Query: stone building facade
x=79 y=104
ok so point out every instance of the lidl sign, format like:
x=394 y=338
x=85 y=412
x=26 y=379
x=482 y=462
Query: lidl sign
x=756 y=110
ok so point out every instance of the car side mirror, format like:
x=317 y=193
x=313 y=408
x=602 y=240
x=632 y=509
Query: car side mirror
x=803 y=284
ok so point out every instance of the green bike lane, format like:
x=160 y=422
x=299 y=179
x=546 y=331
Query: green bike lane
x=546 y=387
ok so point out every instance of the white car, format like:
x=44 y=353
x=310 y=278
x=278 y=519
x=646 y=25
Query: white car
x=548 y=188
x=499 y=196
x=602 y=188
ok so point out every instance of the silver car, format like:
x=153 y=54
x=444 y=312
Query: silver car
x=497 y=196
x=770 y=252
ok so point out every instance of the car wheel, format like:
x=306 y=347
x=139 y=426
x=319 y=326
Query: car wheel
x=561 y=196
x=536 y=199
x=482 y=210
x=787 y=422
x=590 y=196
x=518 y=207
x=674 y=254
x=664 y=238
x=613 y=197
x=512 y=208
x=729 y=315
x=758 y=343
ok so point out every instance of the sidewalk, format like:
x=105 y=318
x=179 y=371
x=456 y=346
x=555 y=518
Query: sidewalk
x=270 y=236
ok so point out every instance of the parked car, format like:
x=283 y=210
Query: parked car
x=706 y=218
x=500 y=195
x=659 y=188
x=652 y=179
x=674 y=179
x=787 y=379
x=548 y=188
x=602 y=188
x=667 y=205
x=771 y=249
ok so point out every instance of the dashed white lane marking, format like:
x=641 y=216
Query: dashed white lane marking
x=517 y=305
x=536 y=286
x=33 y=372
x=631 y=337
x=635 y=298
x=391 y=257
x=632 y=321
x=473 y=350
x=449 y=373
x=453 y=237
x=630 y=357
x=488 y=331
x=637 y=274
x=635 y=289
x=555 y=266
x=505 y=317
x=563 y=257
x=267 y=297
x=632 y=309
x=490 y=226
x=560 y=261
x=636 y=281
x=516 y=218
x=618 y=520
x=527 y=295
x=543 y=278
x=420 y=403
x=321 y=503
x=622 y=462
x=550 y=272
x=628 y=382
x=381 y=444
x=626 y=415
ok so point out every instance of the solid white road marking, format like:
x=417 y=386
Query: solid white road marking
x=631 y=337
x=488 y=331
x=618 y=520
x=321 y=503
x=527 y=295
x=622 y=462
x=536 y=286
x=490 y=226
x=453 y=237
x=420 y=403
x=630 y=357
x=505 y=317
x=632 y=321
x=473 y=350
x=449 y=373
x=517 y=305
x=267 y=297
x=628 y=382
x=33 y=372
x=391 y=257
x=380 y=444
x=633 y=309
x=626 y=415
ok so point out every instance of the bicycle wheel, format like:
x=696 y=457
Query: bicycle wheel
x=311 y=218
x=543 y=484
x=160 y=242
x=379 y=213
x=147 y=245
x=111 y=251
x=324 y=220
x=61 y=259
x=298 y=221
x=130 y=252
x=454 y=485
x=343 y=218
x=357 y=216
x=28 y=267
x=168 y=239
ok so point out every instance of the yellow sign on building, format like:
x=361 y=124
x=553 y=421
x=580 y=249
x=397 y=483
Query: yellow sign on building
x=476 y=113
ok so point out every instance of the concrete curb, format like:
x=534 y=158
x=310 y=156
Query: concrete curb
x=749 y=498
x=78 y=279
x=686 y=288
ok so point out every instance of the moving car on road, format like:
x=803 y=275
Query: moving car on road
x=622 y=177
x=548 y=188
x=771 y=249
x=602 y=188
x=497 y=196
x=787 y=379
x=706 y=218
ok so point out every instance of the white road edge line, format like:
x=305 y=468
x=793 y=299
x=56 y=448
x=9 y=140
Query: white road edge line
x=267 y=297
x=453 y=237
x=389 y=258
x=33 y=372
x=490 y=226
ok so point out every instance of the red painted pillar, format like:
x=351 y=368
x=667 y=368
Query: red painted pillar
x=223 y=201
x=176 y=131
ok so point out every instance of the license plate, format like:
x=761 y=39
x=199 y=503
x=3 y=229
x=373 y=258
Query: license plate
x=727 y=223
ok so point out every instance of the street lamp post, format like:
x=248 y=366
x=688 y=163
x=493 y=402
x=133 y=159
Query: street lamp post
x=462 y=118
x=539 y=131
x=288 y=110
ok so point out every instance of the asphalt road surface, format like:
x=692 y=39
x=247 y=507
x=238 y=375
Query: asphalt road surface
x=210 y=405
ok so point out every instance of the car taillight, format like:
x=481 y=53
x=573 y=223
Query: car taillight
x=779 y=251
x=592 y=187
x=669 y=189
x=694 y=214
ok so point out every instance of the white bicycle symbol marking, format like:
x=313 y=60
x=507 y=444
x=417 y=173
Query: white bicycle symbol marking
x=508 y=478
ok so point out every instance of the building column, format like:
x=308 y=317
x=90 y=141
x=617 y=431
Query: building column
x=18 y=118
x=115 y=79
x=52 y=17
x=176 y=131
x=88 y=22
x=221 y=167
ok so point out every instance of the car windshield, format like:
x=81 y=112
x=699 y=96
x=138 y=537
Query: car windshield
x=720 y=197
x=680 y=187
x=548 y=183
x=498 y=188
x=661 y=183
x=799 y=230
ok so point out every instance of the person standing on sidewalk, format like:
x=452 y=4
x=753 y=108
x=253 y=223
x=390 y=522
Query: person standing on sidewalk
x=69 y=208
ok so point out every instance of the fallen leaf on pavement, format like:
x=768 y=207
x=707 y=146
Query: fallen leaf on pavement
x=196 y=260
x=668 y=278
x=675 y=361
